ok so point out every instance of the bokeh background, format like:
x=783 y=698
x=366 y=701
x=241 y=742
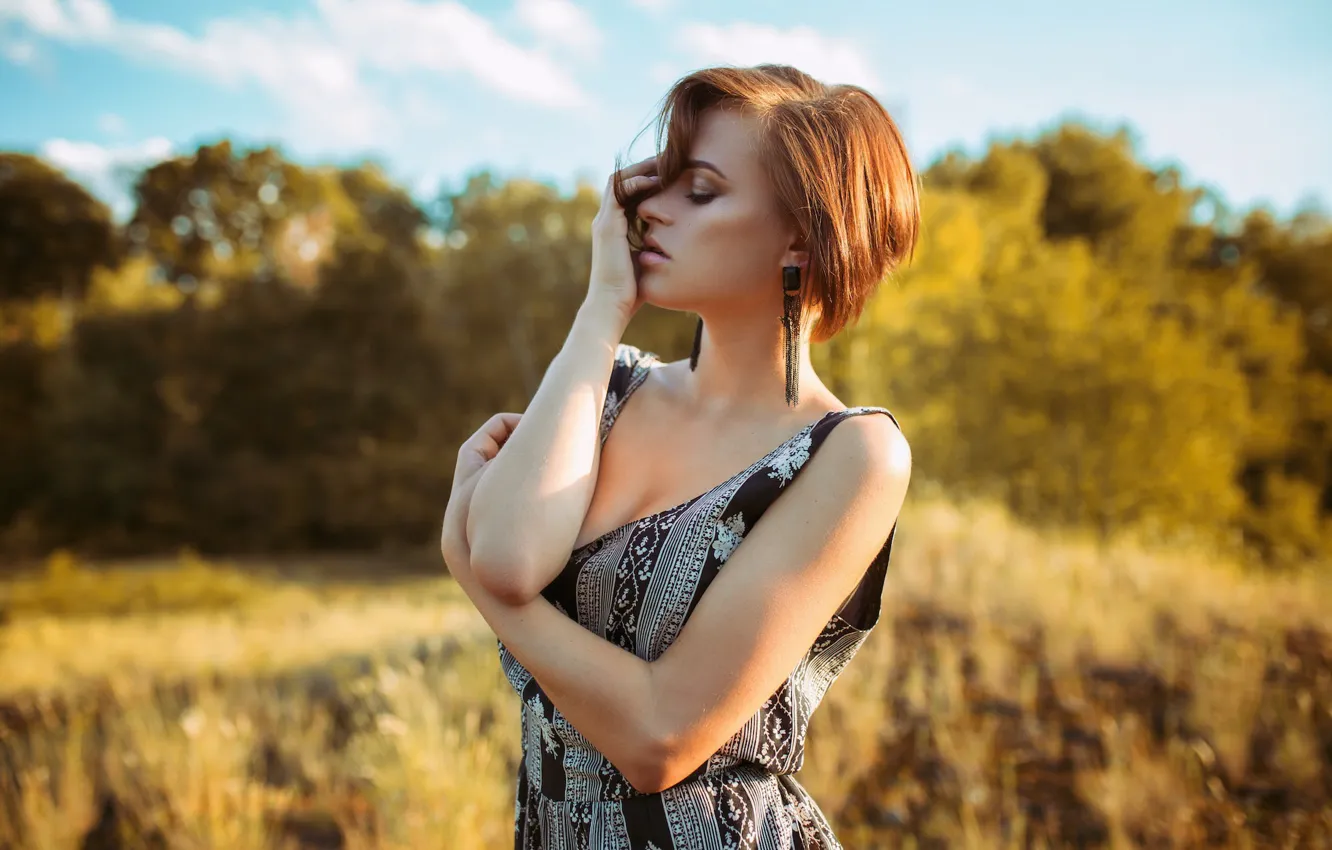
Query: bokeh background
x=263 y=266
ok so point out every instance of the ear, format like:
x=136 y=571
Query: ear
x=796 y=255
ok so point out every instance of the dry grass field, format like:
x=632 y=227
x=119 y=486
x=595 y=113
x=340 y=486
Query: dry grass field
x=1022 y=689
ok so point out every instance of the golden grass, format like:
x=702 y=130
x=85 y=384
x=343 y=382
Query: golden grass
x=999 y=653
x=68 y=588
x=263 y=625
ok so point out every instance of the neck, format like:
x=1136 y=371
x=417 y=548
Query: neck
x=742 y=369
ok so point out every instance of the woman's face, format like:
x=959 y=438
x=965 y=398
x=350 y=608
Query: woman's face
x=718 y=223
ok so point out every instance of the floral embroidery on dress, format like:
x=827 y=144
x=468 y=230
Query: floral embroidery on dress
x=538 y=717
x=792 y=456
x=802 y=822
x=728 y=535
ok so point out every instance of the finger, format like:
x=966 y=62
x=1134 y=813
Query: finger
x=611 y=205
x=492 y=434
x=509 y=421
x=638 y=169
x=469 y=465
x=501 y=425
x=643 y=166
x=641 y=183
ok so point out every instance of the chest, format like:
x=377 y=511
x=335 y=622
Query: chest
x=651 y=464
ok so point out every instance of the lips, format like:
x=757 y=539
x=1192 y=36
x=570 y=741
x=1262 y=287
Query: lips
x=651 y=246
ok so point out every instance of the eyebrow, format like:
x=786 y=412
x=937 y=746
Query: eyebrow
x=703 y=163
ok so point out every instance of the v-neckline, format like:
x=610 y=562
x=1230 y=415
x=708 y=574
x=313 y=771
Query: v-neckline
x=687 y=502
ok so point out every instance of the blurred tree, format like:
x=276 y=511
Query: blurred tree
x=1058 y=391
x=217 y=213
x=1161 y=377
x=104 y=423
x=388 y=214
x=279 y=419
x=1080 y=335
x=1098 y=191
x=53 y=233
x=1291 y=487
x=514 y=271
x=22 y=444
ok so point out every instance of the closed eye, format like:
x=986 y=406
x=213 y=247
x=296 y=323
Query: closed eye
x=700 y=197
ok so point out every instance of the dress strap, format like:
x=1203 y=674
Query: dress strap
x=862 y=409
x=628 y=372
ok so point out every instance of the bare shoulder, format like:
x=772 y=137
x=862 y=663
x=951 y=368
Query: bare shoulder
x=869 y=444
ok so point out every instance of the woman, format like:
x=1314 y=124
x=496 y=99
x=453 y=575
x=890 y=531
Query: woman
x=657 y=715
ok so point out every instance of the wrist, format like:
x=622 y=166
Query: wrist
x=602 y=320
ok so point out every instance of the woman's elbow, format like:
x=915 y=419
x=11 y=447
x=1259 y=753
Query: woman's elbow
x=510 y=585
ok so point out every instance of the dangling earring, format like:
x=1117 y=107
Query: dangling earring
x=698 y=344
x=791 y=327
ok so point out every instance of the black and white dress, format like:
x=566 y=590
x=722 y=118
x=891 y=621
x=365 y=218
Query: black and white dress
x=636 y=586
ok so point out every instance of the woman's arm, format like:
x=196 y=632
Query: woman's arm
x=658 y=721
x=573 y=665
x=529 y=506
x=604 y=691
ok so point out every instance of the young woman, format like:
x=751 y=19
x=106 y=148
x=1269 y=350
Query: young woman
x=674 y=596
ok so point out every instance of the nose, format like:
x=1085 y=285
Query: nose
x=653 y=208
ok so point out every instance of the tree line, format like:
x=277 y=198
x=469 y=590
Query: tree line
x=276 y=357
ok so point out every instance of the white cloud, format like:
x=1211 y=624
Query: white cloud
x=293 y=61
x=444 y=37
x=19 y=52
x=316 y=66
x=76 y=20
x=560 y=22
x=88 y=157
x=652 y=5
x=108 y=172
x=831 y=60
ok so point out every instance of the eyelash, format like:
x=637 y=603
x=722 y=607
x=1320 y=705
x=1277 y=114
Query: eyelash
x=694 y=196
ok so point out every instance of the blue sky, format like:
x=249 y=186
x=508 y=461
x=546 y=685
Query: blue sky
x=1237 y=93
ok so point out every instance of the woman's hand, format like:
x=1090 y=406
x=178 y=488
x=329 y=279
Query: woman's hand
x=613 y=281
x=473 y=455
x=484 y=445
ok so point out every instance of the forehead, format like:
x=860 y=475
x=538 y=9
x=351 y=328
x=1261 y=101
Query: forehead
x=728 y=138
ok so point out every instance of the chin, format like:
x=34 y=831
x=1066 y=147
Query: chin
x=649 y=282
x=655 y=291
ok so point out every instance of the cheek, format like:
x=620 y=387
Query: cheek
x=715 y=229
x=732 y=244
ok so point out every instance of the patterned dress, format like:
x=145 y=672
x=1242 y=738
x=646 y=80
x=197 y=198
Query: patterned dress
x=636 y=586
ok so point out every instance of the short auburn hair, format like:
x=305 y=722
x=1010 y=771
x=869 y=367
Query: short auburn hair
x=836 y=160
